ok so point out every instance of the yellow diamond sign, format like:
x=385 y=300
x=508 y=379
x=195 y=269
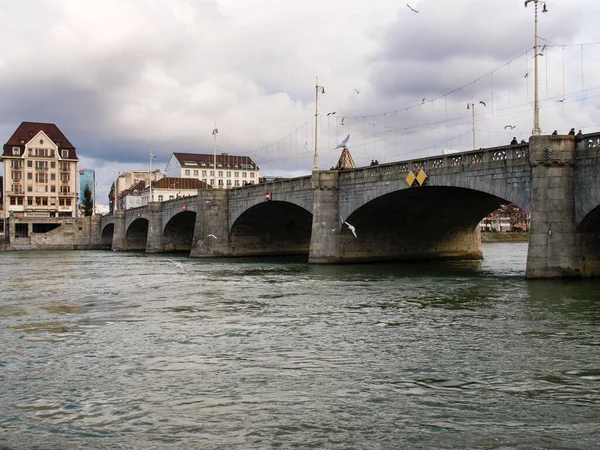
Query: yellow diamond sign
x=410 y=178
x=421 y=177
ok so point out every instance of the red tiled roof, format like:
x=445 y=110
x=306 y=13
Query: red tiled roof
x=226 y=160
x=27 y=130
x=179 y=183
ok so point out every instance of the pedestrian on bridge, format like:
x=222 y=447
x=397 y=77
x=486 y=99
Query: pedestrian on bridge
x=514 y=141
x=572 y=132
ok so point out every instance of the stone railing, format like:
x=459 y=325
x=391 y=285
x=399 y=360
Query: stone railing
x=590 y=141
x=454 y=162
x=286 y=185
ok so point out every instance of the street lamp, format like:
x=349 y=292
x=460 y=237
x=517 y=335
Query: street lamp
x=471 y=106
x=536 y=106
x=318 y=89
x=152 y=156
x=214 y=133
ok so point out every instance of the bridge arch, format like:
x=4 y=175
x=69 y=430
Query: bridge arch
x=107 y=235
x=271 y=228
x=178 y=232
x=429 y=222
x=136 y=235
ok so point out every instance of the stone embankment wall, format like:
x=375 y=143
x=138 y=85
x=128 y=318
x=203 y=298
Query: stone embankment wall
x=81 y=234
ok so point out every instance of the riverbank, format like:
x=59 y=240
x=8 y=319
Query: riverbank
x=505 y=237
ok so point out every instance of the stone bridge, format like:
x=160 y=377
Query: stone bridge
x=395 y=217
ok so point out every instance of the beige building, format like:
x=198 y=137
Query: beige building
x=126 y=181
x=231 y=170
x=40 y=173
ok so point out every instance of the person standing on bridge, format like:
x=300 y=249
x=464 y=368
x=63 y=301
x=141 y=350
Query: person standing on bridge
x=572 y=132
x=514 y=141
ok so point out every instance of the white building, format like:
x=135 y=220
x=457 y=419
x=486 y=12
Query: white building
x=163 y=190
x=231 y=170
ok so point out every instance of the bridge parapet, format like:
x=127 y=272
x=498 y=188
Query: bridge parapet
x=286 y=185
x=512 y=155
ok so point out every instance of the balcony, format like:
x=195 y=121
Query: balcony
x=15 y=193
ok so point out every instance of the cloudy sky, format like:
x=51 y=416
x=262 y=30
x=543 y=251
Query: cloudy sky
x=126 y=78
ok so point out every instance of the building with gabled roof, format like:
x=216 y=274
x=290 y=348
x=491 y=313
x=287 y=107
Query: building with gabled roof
x=231 y=170
x=40 y=172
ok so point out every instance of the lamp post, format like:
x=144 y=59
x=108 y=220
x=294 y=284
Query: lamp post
x=471 y=106
x=152 y=156
x=215 y=131
x=318 y=89
x=536 y=106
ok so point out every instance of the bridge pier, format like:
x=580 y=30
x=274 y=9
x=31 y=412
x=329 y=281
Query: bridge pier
x=119 y=241
x=554 y=247
x=325 y=236
x=211 y=231
x=154 y=241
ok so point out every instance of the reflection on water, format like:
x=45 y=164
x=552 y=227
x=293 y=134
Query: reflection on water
x=144 y=351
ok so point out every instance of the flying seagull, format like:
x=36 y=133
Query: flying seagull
x=526 y=75
x=412 y=9
x=343 y=143
x=212 y=236
x=350 y=227
x=483 y=103
x=560 y=101
x=342 y=121
x=305 y=144
x=423 y=101
x=357 y=91
x=331 y=113
x=510 y=126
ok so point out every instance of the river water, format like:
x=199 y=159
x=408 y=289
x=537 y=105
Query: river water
x=127 y=350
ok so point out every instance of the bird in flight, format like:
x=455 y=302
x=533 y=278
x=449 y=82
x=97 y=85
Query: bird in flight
x=560 y=101
x=350 y=227
x=212 y=236
x=412 y=9
x=331 y=113
x=510 y=126
x=483 y=103
x=343 y=143
x=357 y=91
x=423 y=101
x=526 y=75
x=342 y=121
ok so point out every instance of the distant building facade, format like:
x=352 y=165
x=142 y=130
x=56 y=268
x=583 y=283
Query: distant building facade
x=87 y=178
x=126 y=181
x=231 y=170
x=40 y=167
x=163 y=190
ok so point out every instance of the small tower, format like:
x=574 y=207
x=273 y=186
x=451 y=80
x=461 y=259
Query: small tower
x=345 y=161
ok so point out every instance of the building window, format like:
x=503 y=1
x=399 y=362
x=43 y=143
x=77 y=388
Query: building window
x=64 y=153
x=68 y=202
x=16 y=151
x=237 y=182
x=29 y=163
x=16 y=175
x=204 y=180
x=228 y=182
x=212 y=173
x=220 y=182
x=30 y=188
x=187 y=172
x=212 y=182
x=52 y=177
x=220 y=173
x=29 y=176
x=251 y=174
x=41 y=177
x=204 y=173
x=160 y=198
x=244 y=174
x=228 y=174
x=195 y=173
x=29 y=201
x=236 y=174
x=53 y=188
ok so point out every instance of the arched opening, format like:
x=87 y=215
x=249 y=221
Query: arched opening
x=107 y=235
x=272 y=228
x=179 y=232
x=426 y=223
x=137 y=235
